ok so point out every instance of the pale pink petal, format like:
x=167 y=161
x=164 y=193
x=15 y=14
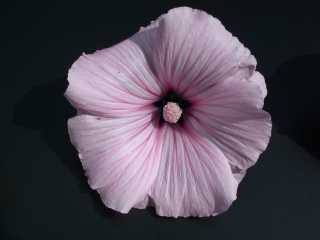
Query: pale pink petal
x=189 y=50
x=120 y=157
x=231 y=116
x=113 y=82
x=143 y=203
x=234 y=91
x=194 y=177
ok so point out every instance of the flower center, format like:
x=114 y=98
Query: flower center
x=171 y=112
x=172 y=108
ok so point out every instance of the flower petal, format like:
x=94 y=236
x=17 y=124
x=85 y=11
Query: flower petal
x=112 y=82
x=194 y=177
x=231 y=116
x=120 y=157
x=189 y=49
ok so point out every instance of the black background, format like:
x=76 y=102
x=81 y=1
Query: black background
x=43 y=192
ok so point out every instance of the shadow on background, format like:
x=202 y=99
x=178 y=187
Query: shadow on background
x=293 y=98
x=45 y=109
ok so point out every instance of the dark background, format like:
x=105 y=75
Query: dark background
x=43 y=192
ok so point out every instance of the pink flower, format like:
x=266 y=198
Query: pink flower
x=171 y=117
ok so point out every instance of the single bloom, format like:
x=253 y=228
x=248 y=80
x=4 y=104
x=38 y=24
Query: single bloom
x=171 y=117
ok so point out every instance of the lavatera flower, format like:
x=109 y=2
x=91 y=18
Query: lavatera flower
x=171 y=117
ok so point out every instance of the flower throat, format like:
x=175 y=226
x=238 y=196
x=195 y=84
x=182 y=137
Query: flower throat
x=171 y=108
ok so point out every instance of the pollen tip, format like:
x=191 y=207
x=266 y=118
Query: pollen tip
x=171 y=112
